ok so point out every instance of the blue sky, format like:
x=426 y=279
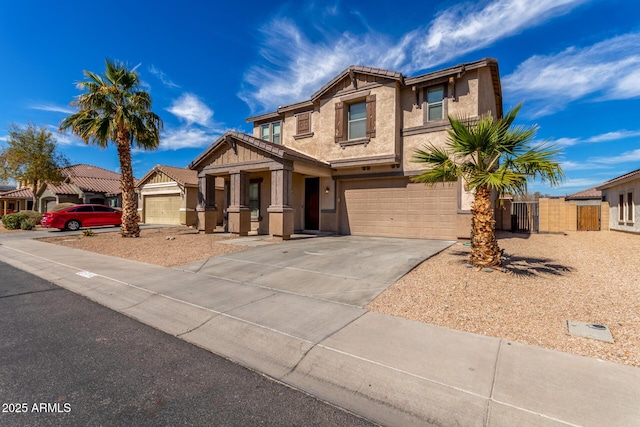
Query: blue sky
x=210 y=65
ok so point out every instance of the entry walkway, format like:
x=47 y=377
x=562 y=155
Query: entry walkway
x=390 y=370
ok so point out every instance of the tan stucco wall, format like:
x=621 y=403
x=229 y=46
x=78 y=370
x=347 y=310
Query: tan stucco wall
x=413 y=142
x=322 y=144
x=486 y=93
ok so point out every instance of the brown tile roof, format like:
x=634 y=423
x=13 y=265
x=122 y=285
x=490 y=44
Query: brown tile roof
x=22 y=193
x=267 y=147
x=182 y=176
x=588 y=194
x=87 y=178
x=628 y=176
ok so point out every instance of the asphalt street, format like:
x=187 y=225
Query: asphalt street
x=65 y=360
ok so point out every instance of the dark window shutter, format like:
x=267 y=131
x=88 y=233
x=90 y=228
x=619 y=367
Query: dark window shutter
x=340 y=130
x=304 y=123
x=371 y=116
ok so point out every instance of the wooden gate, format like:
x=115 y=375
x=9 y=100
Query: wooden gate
x=589 y=218
x=524 y=217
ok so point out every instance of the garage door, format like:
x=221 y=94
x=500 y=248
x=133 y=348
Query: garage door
x=162 y=209
x=398 y=208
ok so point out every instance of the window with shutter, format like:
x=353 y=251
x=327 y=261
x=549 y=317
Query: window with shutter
x=303 y=123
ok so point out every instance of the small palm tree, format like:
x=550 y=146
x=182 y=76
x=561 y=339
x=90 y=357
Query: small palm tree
x=489 y=155
x=114 y=109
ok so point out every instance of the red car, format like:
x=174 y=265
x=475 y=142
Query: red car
x=78 y=216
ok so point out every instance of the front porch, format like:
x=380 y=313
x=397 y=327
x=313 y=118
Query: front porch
x=269 y=189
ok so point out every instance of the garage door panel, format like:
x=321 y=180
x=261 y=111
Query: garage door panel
x=162 y=209
x=398 y=208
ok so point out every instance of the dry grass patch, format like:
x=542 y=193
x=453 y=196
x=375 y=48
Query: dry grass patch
x=168 y=247
x=586 y=276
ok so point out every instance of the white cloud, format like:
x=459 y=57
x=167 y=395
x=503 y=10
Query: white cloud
x=467 y=27
x=293 y=74
x=54 y=108
x=614 y=136
x=627 y=156
x=162 y=77
x=606 y=70
x=187 y=137
x=190 y=109
x=605 y=137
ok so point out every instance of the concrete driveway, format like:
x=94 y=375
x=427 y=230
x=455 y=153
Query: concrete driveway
x=350 y=270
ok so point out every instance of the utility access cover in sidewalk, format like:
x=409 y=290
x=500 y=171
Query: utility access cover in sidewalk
x=589 y=330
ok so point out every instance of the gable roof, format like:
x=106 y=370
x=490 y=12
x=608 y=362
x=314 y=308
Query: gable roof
x=183 y=176
x=351 y=70
x=87 y=178
x=268 y=148
x=22 y=193
x=588 y=194
x=421 y=80
x=621 y=179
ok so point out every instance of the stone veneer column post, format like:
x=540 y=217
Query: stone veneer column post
x=238 y=212
x=206 y=209
x=280 y=210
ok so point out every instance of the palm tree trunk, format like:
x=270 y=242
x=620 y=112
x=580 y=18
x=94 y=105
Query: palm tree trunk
x=484 y=245
x=129 y=227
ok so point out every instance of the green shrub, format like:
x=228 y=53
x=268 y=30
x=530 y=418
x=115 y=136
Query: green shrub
x=27 y=224
x=13 y=221
x=88 y=232
x=34 y=216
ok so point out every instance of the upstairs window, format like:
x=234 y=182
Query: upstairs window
x=357 y=120
x=271 y=132
x=435 y=103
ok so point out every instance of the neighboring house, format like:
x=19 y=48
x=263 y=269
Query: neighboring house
x=169 y=195
x=16 y=200
x=341 y=160
x=622 y=195
x=589 y=197
x=82 y=184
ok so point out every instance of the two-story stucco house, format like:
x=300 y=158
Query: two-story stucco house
x=341 y=161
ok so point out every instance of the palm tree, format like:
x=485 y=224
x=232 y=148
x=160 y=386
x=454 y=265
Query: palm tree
x=112 y=108
x=489 y=155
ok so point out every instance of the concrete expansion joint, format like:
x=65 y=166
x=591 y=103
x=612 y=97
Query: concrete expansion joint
x=197 y=327
x=319 y=344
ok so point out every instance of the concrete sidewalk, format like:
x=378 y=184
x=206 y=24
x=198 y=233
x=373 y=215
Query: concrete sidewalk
x=390 y=370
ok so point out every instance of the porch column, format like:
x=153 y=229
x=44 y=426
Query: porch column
x=206 y=209
x=280 y=211
x=4 y=207
x=238 y=212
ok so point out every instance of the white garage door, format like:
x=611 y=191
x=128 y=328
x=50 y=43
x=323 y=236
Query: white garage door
x=162 y=209
x=398 y=208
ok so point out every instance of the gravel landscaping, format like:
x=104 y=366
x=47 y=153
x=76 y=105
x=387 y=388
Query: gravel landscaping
x=592 y=277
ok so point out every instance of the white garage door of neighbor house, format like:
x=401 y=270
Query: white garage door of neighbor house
x=398 y=208
x=162 y=209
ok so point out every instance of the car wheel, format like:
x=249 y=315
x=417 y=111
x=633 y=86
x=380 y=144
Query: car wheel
x=73 y=225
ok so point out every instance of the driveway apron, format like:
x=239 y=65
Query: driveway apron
x=350 y=270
